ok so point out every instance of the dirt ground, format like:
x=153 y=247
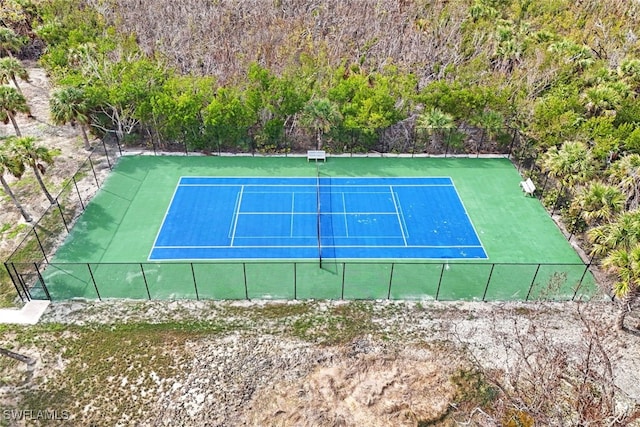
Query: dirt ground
x=291 y=369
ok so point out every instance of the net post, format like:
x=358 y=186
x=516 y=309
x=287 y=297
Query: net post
x=318 y=216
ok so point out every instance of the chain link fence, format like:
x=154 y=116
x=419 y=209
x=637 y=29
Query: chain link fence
x=35 y=276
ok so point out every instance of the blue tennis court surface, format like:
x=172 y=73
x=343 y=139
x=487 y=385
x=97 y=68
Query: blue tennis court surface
x=295 y=218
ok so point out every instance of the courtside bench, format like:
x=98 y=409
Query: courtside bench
x=316 y=155
x=528 y=187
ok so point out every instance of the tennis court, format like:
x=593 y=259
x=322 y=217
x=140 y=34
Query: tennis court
x=307 y=218
x=256 y=227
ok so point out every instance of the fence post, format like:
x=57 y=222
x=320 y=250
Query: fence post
x=513 y=139
x=480 y=143
x=41 y=279
x=40 y=244
x=244 y=272
x=555 y=204
x=533 y=281
x=94 y=172
x=390 y=280
x=295 y=281
x=584 y=273
x=93 y=279
x=75 y=183
x=13 y=280
x=486 y=288
x=64 y=221
x=440 y=282
x=344 y=270
x=195 y=284
x=146 y=285
x=106 y=153
x=24 y=287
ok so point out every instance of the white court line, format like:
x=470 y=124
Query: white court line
x=236 y=214
x=344 y=210
x=315 y=213
x=333 y=246
x=235 y=209
x=469 y=219
x=166 y=213
x=393 y=197
x=406 y=228
x=293 y=199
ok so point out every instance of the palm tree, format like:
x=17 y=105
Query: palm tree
x=619 y=243
x=572 y=163
x=625 y=174
x=11 y=70
x=626 y=265
x=320 y=115
x=32 y=155
x=69 y=105
x=9 y=163
x=598 y=203
x=622 y=233
x=435 y=123
x=9 y=41
x=11 y=103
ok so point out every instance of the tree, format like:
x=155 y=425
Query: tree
x=228 y=118
x=626 y=265
x=177 y=110
x=622 y=233
x=435 y=123
x=9 y=163
x=70 y=105
x=11 y=70
x=572 y=163
x=31 y=154
x=598 y=203
x=320 y=115
x=618 y=243
x=11 y=103
x=9 y=41
x=625 y=174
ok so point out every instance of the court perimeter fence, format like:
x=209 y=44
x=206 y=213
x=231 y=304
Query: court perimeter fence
x=31 y=270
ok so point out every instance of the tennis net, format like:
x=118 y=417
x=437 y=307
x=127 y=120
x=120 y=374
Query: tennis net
x=318 y=225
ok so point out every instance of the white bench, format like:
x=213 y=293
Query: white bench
x=528 y=186
x=316 y=155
